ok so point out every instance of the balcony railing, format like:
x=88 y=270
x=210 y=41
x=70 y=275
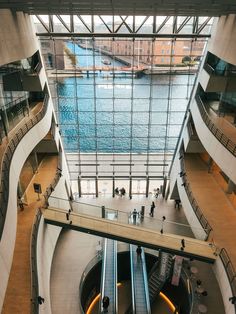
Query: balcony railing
x=231 y=274
x=222 y=138
x=197 y=210
x=219 y=72
x=38 y=67
x=209 y=69
x=33 y=246
x=7 y=158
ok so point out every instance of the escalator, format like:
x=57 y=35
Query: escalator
x=109 y=276
x=140 y=294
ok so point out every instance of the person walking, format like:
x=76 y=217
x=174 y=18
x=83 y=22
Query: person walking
x=68 y=217
x=157 y=192
x=134 y=214
x=20 y=204
x=105 y=303
x=139 y=251
x=177 y=203
x=122 y=192
x=152 y=209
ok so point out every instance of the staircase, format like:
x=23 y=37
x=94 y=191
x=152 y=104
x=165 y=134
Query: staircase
x=160 y=273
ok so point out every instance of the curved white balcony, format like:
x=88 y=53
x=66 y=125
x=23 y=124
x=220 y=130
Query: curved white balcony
x=217 y=137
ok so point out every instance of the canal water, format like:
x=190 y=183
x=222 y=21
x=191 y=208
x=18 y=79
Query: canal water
x=115 y=114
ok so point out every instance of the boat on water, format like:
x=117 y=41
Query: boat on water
x=106 y=61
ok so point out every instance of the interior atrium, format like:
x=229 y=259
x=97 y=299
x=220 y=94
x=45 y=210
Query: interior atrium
x=118 y=157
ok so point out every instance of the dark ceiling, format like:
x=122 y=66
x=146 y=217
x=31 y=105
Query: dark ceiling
x=124 y=7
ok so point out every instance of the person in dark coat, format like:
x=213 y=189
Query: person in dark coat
x=139 y=251
x=105 y=303
x=152 y=209
x=134 y=214
x=40 y=300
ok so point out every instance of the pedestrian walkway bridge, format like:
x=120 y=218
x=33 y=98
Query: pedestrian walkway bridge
x=125 y=232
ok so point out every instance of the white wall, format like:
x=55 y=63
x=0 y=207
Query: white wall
x=27 y=144
x=225 y=289
x=17 y=39
x=223 y=42
x=212 y=83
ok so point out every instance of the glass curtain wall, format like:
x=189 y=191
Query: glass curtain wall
x=120 y=104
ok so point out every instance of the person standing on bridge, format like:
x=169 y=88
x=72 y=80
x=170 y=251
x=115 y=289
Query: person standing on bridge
x=182 y=245
x=68 y=217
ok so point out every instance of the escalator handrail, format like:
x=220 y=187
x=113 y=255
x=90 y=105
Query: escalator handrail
x=103 y=272
x=115 y=277
x=132 y=279
x=145 y=280
x=115 y=305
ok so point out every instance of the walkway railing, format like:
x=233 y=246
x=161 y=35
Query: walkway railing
x=16 y=101
x=209 y=69
x=197 y=210
x=124 y=216
x=7 y=158
x=33 y=246
x=222 y=138
x=230 y=271
x=38 y=67
x=217 y=72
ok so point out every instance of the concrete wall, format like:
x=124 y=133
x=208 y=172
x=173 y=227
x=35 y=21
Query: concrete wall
x=173 y=175
x=46 y=243
x=17 y=39
x=225 y=288
x=212 y=83
x=192 y=145
x=27 y=144
x=223 y=42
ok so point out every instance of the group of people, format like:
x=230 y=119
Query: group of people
x=135 y=214
x=120 y=192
